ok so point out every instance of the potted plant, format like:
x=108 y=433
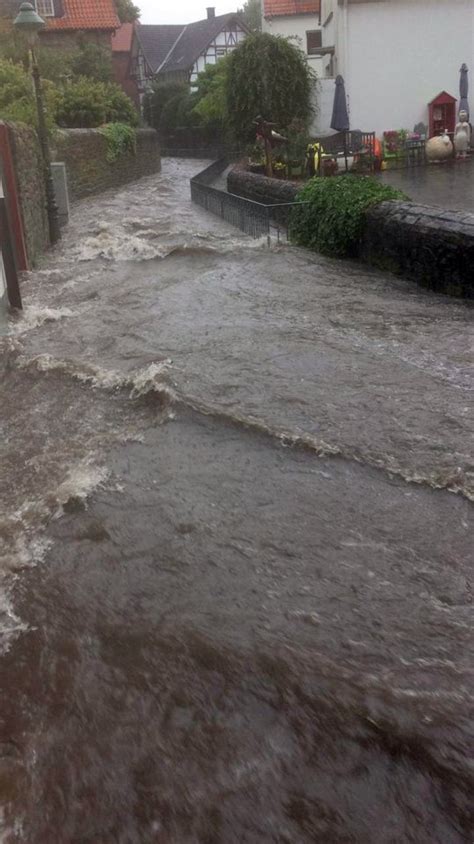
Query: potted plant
x=279 y=169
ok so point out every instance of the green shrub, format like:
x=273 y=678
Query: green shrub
x=332 y=221
x=121 y=140
x=178 y=112
x=118 y=107
x=17 y=98
x=87 y=104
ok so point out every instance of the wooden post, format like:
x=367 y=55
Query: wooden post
x=8 y=255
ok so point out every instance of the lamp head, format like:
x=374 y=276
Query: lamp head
x=28 y=22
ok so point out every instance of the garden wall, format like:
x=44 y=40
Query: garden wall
x=28 y=168
x=429 y=245
x=262 y=189
x=84 y=152
x=432 y=246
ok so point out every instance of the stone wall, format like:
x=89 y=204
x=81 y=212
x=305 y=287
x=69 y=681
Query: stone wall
x=262 y=189
x=84 y=152
x=29 y=174
x=429 y=245
x=432 y=246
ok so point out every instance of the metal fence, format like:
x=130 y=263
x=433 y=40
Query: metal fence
x=256 y=219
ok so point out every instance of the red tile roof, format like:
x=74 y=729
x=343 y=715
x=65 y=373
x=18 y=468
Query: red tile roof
x=86 y=14
x=274 y=8
x=122 y=38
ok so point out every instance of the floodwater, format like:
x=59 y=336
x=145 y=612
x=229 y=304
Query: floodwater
x=449 y=185
x=236 y=529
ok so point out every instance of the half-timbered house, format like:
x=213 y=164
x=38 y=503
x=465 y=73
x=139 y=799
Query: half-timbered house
x=179 y=53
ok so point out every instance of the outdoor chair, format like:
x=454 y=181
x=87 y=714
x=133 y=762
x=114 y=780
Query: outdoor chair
x=345 y=145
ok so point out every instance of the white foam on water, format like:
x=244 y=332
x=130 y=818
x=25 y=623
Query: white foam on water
x=80 y=482
x=149 y=379
x=24 y=546
x=34 y=316
x=130 y=242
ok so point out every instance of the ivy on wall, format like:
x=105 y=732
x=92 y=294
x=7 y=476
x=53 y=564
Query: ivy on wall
x=121 y=140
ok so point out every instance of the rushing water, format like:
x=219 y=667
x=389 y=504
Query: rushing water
x=236 y=535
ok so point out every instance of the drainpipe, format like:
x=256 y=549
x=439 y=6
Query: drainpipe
x=345 y=38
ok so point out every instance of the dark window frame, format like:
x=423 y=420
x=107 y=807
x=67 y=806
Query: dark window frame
x=317 y=36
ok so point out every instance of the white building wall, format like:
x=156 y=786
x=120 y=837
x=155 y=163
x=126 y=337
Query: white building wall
x=400 y=54
x=295 y=27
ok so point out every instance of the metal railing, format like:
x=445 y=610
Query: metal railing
x=256 y=219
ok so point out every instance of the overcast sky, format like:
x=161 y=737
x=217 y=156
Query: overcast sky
x=185 y=11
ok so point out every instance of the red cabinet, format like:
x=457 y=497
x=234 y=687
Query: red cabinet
x=442 y=112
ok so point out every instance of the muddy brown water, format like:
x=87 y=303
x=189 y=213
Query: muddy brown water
x=236 y=542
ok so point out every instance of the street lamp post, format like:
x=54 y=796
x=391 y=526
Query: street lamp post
x=29 y=23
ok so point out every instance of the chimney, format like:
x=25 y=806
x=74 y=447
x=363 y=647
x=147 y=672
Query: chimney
x=211 y=12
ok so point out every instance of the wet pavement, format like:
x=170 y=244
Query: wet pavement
x=448 y=185
x=236 y=534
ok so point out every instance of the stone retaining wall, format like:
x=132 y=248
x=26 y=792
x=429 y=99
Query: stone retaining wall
x=30 y=184
x=432 y=246
x=429 y=245
x=262 y=189
x=84 y=152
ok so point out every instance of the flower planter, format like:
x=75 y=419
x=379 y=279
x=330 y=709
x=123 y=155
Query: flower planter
x=296 y=170
x=257 y=168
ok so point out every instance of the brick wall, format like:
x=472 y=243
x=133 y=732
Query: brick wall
x=84 y=151
x=29 y=174
x=121 y=71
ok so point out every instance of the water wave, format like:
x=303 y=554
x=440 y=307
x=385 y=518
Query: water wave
x=120 y=244
x=34 y=316
x=150 y=379
x=155 y=379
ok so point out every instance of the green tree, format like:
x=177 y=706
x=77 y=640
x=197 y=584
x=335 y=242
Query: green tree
x=268 y=76
x=127 y=11
x=93 y=61
x=157 y=99
x=251 y=12
x=210 y=95
x=56 y=65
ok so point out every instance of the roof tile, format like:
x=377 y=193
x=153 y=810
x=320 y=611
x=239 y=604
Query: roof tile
x=274 y=8
x=86 y=14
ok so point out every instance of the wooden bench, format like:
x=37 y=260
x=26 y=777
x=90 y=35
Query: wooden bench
x=347 y=145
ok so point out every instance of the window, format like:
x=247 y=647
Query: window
x=45 y=8
x=314 y=41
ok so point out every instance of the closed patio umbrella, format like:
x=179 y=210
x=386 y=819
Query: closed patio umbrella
x=340 y=117
x=464 y=90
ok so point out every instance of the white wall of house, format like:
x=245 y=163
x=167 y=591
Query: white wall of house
x=295 y=27
x=399 y=54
